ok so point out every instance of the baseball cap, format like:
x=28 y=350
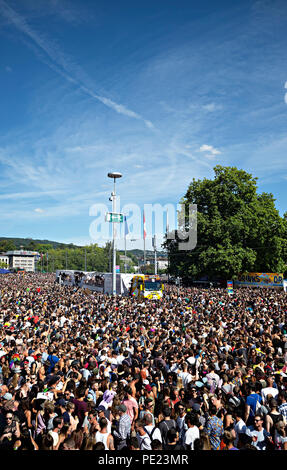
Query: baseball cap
x=101 y=408
x=196 y=406
x=61 y=402
x=8 y=396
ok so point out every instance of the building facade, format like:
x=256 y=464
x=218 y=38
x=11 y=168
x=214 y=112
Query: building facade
x=4 y=259
x=21 y=259
x=162 y=263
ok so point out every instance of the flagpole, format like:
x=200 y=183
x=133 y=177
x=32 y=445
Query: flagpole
x=126 y=232
x=144 y=235
x=144 y=256
x=167 y=230
x=125 y=254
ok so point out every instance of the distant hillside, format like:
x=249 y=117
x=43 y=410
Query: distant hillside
x=28 y=243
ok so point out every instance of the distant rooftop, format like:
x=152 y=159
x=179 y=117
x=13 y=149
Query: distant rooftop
x=22 y=253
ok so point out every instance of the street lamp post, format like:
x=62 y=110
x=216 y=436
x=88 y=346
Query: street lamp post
x=155 y=257
x=114 y=175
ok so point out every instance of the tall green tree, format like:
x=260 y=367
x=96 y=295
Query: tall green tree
x=238 y=230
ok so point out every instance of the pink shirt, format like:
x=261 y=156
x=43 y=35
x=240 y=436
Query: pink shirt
x=131 y=405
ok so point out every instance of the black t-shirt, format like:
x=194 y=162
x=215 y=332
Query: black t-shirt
x=173 y=447
x=164 y=426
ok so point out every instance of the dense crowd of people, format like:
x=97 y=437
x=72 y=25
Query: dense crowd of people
x=197 y=370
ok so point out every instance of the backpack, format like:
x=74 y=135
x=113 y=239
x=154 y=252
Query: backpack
x=257 y=408
x=173 y=425
x=150 y=434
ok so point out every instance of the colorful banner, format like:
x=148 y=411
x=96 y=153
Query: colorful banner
x=230 y=287
x=260 y=280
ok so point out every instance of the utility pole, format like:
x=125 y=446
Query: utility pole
x=155 y=254
x=110 y=259
x=114 y=175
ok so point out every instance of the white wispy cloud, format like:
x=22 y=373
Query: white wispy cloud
x=209 y=148
x=30 y=195
x=63 y=65
x=39 y=210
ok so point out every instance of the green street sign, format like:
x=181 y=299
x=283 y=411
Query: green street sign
x=114 y=217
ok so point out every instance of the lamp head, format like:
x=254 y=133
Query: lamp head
x=114 y=175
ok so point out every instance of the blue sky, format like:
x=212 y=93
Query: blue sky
x=160 y=91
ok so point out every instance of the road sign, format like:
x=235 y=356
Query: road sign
x=114 y=217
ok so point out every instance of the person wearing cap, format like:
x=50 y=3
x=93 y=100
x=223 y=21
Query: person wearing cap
x=123 y=428
x=62 y=410
x=104 y=413
x=8 y=396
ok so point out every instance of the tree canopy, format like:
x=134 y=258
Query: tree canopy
x=238 y=230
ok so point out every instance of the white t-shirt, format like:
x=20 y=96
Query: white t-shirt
x=239 y=428
x=191 y=360
x=279 y=440
x=55 y=437
x=186 y=378
x=190 y=436
x=102 y=437
x=156 y=434
x=260 y=436
x=269 y=391
x=144 y=442
x=120 y=359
